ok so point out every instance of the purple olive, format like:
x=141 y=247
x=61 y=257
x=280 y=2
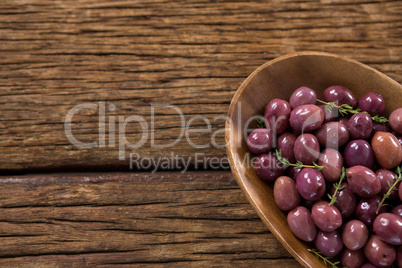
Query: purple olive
x=268 y=167
x=301 y=224
x=398 y=261
x=395 y=121
x=285 y=193
x=260 y=141
x=340 y=95
x=387 y=177
x=388 y=227
x=292 y=172
x=343 y=120
x=328 y=243
x=332 y=161
x=384 y=127
x=355 y=235
x=306 y=118
x=286 y=144
x=306 y=149
x=332 y=135
x=277 y=113
x=363 y=181
x=326 y=217
x=368 y=265
x=366 y=209
x=310 y=184
x=397 y=210
x=360 y=126
x=352 y=258
x=301 y=96
x=379 y=253
x=346 y=200
x=372 y=103
x=358 y=153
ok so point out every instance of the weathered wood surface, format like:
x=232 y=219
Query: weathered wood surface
x=192 y=219
x=55 y=55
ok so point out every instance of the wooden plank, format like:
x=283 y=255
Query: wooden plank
x=191 y=219
x=55 y=55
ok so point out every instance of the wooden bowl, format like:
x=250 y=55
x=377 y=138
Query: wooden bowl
x=278 y=79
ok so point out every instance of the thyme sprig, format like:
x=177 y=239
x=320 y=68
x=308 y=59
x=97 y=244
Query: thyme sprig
x=338 y=187
x=345 y=109
x=378 y=119
x=261 y=123
x=298 y=163
x=391 y=188
x=326 y=260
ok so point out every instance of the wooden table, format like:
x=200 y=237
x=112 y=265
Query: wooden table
x=63 y=205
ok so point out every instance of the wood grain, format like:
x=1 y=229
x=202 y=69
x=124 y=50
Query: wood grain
x=55 y=55
x=192 y=219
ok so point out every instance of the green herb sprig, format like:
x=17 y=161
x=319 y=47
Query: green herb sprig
x=326 y=260
x=298 y=164
x=261 y=123
x=391 y=188
x=338 y=187
x=378 y=119
x=345 y=109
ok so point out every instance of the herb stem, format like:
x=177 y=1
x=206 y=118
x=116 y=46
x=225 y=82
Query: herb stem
x=261 y=123
x=345 y=109
x=331 y=105
x=325 y=259
x=298 y=164
x=323 y=102
x=338 y=187
x=391 y=188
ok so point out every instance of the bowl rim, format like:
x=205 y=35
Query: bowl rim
x=229 y=150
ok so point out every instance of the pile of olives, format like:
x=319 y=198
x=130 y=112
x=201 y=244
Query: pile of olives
x=335 y=165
